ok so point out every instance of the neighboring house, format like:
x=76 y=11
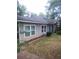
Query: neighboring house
x=32 y=27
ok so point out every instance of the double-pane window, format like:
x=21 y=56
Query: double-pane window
x=32 y=30
x=43 y=28
x=29 y=30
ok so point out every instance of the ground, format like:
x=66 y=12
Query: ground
x=27 y=55
x=42 y=48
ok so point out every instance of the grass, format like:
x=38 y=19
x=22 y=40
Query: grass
x=18 y=48
x=46 y=47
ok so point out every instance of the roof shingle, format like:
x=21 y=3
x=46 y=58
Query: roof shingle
x=34 y=19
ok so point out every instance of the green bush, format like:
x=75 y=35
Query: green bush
x=18 y=46
x=18 y=49
x=17 y=41
x=49 y=34
x=58 y=32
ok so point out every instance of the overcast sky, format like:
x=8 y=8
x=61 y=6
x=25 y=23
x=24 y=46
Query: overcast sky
x=35 y=6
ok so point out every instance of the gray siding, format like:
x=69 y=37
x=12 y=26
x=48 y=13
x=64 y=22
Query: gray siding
x=38 y=32
x=50 y=28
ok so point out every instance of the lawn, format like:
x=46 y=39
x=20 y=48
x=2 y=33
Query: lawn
x=45 y=47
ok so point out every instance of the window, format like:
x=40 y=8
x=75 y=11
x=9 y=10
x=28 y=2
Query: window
x=32 y=30
x=43 y=28
x=27 y=33
x=29 y=30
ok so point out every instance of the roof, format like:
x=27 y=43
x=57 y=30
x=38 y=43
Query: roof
x=51 y=21
x=34 y=19
x=38 y=19
x=23 y=18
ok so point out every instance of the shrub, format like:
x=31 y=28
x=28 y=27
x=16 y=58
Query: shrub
x=18 y=49
x=49 y=34
x=18 y=46
x=58 y=32
x=17 y=41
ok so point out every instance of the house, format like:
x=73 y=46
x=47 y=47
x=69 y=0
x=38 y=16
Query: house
x=33 y=27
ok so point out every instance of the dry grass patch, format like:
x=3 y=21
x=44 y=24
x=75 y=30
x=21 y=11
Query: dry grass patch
x=46 y=47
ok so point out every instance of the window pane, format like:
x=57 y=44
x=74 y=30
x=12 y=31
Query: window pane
x=27 y=33
x=32 y=32
x=27 y=28
x=42 y=28
x=33 y=28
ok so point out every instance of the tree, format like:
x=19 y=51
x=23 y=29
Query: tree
x=21 y=10
x=54 y=12
x=41 y=14
x=33 y=14
x=54 y=8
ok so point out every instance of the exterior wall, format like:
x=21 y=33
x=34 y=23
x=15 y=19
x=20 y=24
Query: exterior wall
x=38 y=32
x=47 y=28
x=54 y=28
x=50 y=28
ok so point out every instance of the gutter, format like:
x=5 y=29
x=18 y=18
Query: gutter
x=30 y=22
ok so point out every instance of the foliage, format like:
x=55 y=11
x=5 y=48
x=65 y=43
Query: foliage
x=33 y=14
x=49 y=34
x=41 y=14
x=54 y=3
x=58 y=28
x=21 y=10
x=18 y=47
x=52 y=16
x=54 y=8
x=58 y=31
x=54 y=12
x=18 y=42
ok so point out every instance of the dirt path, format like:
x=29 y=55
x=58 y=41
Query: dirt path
x=26 y=55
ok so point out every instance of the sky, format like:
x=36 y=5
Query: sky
x=35 y=6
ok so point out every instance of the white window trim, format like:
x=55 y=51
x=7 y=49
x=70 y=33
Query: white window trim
x=24 y=30
x=34 y=30
x=30 y=30
x=44 y=28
